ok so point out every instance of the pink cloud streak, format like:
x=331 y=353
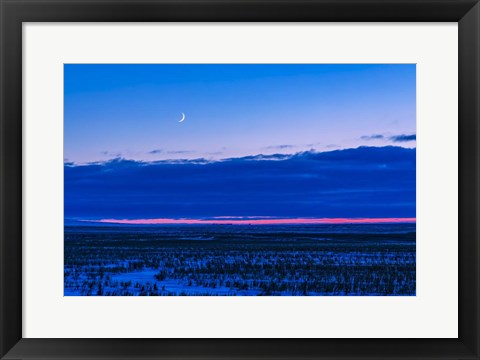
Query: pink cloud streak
x=257 y=221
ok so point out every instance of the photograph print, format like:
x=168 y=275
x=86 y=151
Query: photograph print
x=239 y=180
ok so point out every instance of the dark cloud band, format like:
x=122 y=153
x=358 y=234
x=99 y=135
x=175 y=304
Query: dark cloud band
x=362 y=182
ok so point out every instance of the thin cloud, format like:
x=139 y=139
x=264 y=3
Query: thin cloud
x=181 y=152
x=156 y=151
x=280 y=147
x=403 y=138
x=372 y=137
x=261 y=157
x=111 y=154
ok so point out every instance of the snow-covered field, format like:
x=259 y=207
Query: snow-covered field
x=338 y=260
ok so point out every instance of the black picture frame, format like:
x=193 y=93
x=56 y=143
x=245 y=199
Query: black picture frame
x=14 y=12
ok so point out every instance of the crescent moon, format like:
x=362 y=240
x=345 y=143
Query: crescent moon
x=183 y=117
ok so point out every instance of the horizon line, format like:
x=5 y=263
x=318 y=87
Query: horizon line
x=260 y=156
x=256 y=221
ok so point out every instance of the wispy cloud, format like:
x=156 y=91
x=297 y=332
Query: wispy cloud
x=403 y=138
x=372 y=137
x=111 y=154
x=280 y=147
x=180 y=152
x=156 y=151
x=394 y=138
x=261 y=157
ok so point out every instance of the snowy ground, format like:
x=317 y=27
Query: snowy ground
x=240 y=261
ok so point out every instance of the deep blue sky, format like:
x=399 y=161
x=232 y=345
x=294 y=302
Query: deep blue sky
x=132 y=111
x=258 y=140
